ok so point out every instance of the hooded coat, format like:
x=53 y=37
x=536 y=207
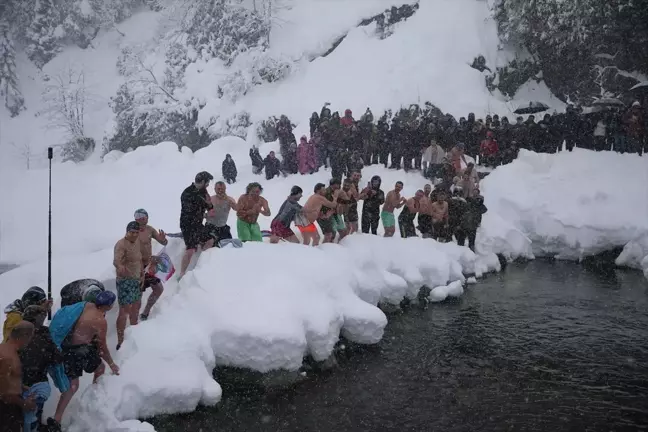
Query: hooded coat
x=306 y=156
x=229 y=168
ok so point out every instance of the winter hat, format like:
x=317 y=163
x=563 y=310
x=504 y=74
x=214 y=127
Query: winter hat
x=636 y=104
x=303 y=138
x=133 y=226
x=105 y=298
x=33 y=296
x=34 y=314
x=140 y=214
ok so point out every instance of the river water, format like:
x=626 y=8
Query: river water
x=542 y=346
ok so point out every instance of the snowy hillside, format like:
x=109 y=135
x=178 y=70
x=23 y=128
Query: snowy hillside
x=423 y=58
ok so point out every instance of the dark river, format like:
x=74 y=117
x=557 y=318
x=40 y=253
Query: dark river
x=543 y=346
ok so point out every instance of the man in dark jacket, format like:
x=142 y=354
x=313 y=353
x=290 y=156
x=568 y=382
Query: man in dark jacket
x=36 y=358
x=194 y=202
x=272 y=166
x=371 y=207
x=229 y=169
x=470 y=221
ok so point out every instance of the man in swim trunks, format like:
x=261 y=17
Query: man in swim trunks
x=147 y=233
x=216 y=219
x=393 y=200
x=280 y=226
x=194 y=202
x=353 y=192
x=312 y=210
x=250 y=205
x=328 y=220
x=406 y=217
x=12 y=403
x=424 y=218
x=83 y=350
x=439 y=213
x=130 y=277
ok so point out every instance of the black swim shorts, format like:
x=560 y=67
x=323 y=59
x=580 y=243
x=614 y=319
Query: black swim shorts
x=194 y=236
x=326 y=225
x=80 y=358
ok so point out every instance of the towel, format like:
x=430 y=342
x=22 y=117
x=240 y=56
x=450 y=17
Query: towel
x=62 y=324
x=42 y=392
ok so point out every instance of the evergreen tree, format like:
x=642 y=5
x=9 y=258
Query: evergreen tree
x=43 y=43
x=9 y=90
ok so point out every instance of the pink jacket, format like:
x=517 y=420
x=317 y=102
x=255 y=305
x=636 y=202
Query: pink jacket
x=306 y=156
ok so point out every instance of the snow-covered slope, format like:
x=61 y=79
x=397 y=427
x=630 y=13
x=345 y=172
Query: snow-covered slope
x=425 y=59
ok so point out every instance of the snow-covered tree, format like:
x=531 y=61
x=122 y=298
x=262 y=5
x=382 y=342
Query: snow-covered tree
x=66 y=99
x=219 y=29
x=9 y=90
x=43 y=43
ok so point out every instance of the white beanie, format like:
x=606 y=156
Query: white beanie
x=636 y=104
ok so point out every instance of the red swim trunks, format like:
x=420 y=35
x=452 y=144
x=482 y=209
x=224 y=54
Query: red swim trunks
x=280 y=230
x=308 y=228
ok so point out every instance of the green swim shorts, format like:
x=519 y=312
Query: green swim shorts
x=338 y=223
x=388 y=219
x=248 y=232
x=128 y=291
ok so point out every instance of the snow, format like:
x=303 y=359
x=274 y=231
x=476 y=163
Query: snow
x=572 y=205
x=426 y=58
x=262 y=307
x=266 y=306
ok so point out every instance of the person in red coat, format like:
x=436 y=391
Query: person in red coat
x=488 y=150
x=347 y=120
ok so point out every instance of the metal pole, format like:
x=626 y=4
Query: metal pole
x=50 y=154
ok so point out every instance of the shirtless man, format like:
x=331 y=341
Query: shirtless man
x=312 y=211
x=147 y=234
x=127 y=260
x=83 y=350
x=216 y=219
x=346 y=197
x=424 y=218
x=12 y=403
x=406 y=218
x=249 y=206
x=439 y=213
x=393 y=200
x=353 y=192
x=329 y=221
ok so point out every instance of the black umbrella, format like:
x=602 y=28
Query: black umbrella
x=641 y=87
x=532 y=108
x=608 y=102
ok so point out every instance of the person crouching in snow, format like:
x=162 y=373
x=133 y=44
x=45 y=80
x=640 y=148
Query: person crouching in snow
x=272 y=166
x=229 y=169
x=289 y=211
x=147 y=234
x=257 y=160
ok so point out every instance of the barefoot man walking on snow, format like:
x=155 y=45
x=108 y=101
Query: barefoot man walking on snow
x=393 y=200
x=250 y=205
x=84 y=348
x=130 y=278
x=195 y=201
x=312 y=210
x=147 y=233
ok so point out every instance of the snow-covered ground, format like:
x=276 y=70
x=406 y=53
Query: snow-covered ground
x=263 y=306
x=576 y=204
x=266 y=306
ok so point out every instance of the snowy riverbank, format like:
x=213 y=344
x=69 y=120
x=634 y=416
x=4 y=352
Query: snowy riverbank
x=266 y=306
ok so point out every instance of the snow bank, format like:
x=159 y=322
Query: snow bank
x=262 y=307
x=571 y=205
